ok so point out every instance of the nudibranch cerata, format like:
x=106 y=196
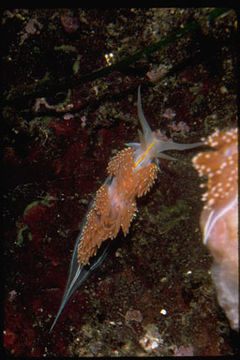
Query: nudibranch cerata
x=131 y=173
x=219 y=217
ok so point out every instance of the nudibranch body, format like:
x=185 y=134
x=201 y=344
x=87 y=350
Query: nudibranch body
x=221 y=168
x=219 y=218
x=131 y=173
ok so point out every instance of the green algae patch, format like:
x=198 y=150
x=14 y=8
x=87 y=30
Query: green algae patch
x=45 y=201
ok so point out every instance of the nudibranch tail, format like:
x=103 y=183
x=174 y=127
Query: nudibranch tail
x=77 y=278
x=78 y=274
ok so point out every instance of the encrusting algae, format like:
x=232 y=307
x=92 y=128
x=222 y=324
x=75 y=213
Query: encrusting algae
x=131 y=173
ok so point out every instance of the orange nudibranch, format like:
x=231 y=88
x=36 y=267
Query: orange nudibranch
x=131 y=173
x=115 y=203
x=219 y=217
x=221 y=166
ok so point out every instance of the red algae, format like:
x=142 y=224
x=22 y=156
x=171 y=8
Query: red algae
x=69 y=21
x=219 y=218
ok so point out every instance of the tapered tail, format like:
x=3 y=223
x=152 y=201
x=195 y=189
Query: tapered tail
x=77 y=275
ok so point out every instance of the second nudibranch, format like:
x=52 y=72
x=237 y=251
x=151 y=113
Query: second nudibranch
x=132 y=172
